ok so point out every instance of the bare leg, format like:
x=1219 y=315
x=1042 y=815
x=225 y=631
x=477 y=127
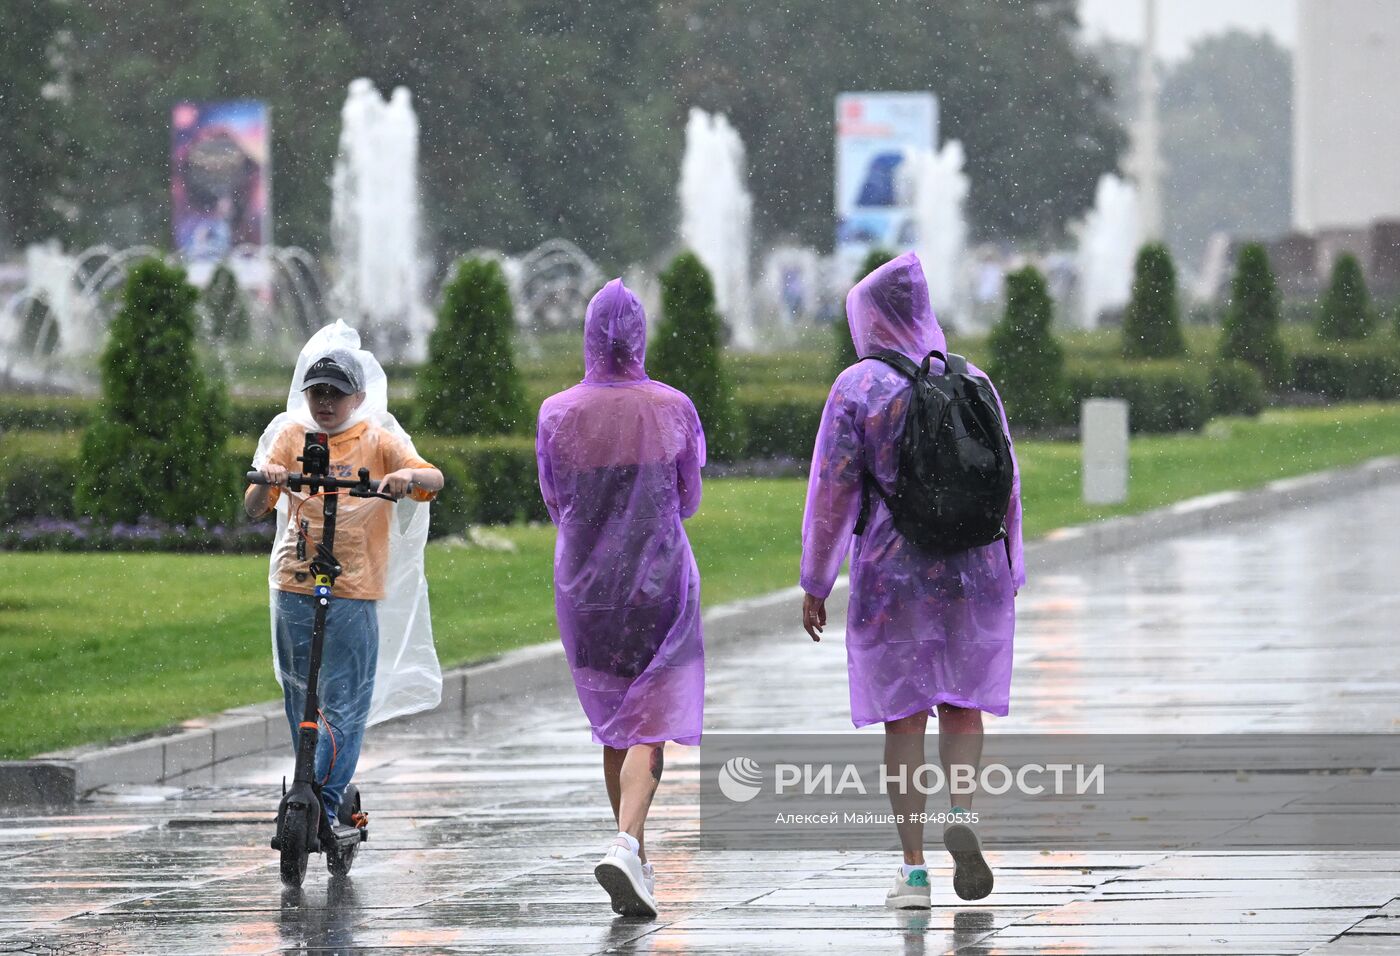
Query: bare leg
x=959 y=742
x=904 y=754
x=637 y=780
x=612 y=769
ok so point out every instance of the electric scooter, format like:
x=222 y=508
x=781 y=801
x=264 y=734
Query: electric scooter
x=300 y=827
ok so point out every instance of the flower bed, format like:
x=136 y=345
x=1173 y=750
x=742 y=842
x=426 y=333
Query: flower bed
x=146 y=534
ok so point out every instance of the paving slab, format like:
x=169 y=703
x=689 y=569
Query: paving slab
x=487 y=817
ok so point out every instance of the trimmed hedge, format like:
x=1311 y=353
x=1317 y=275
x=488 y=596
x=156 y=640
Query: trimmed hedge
x=247 y=416
x=489 y=480
x=1163 y=396
x=782 y=421
x=37 y=486
x=1236 y=388
x=1350 y=372
x=45 y=412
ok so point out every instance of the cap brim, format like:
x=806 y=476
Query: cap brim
x=339 y=383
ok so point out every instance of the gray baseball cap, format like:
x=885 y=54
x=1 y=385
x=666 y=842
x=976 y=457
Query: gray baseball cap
x=338 y=369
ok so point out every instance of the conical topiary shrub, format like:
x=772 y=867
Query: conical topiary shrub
x=1152 y=323
x=470 y=385
x=227 y=313
x=1251 y=326
x=845 y=355
x=156 y=445
x=1028 y=364
x=1346 y=306
x=685 y=353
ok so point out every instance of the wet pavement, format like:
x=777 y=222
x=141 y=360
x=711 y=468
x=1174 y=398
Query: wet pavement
x=484 y=834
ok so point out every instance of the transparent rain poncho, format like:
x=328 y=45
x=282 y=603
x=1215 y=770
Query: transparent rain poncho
x=408 y=678
x=920 y=630
x=619 y=462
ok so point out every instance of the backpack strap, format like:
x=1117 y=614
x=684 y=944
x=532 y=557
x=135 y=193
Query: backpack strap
x=897 y=361
x=952 y=362
x=905 y=366
x=867 y=482
x=864 y=515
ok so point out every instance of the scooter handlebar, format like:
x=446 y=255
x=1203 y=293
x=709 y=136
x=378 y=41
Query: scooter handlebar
x=369 y=486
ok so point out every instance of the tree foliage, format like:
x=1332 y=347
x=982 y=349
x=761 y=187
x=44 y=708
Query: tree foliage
x=1031 y=107
x=1227 y=134
x=563 y=118
x=34 y=150
x=1226 y=115
x=1251 y=326
x=470 y=384
x=126 y=65
x=156 y=446
x=1152 y=322
x=1346 y=305
x=686 y=353
x=1028 y=364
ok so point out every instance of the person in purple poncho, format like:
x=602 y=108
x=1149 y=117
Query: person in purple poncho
x=619 y=462
x=923 y=631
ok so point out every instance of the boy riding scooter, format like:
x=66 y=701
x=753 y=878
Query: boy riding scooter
x=365 y=588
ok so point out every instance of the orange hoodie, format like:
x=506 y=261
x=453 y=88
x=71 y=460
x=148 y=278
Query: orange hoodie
x=361 y=524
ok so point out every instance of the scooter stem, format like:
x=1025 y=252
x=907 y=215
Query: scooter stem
x=324 y=569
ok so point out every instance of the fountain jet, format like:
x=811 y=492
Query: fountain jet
x=375 y=222
x=717 y=215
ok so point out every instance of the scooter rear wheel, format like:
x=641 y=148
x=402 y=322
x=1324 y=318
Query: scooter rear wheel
x=292 y=845
x=349 y=805
x=339 y=858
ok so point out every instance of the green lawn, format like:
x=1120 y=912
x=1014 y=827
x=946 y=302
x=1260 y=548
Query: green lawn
x=100 y=646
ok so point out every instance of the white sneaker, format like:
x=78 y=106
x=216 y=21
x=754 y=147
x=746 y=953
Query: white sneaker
x=649 y=874
x=620 y=873
x=972 y=877
x=909 y=892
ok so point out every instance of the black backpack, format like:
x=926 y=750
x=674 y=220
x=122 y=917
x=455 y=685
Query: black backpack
x=953 y=484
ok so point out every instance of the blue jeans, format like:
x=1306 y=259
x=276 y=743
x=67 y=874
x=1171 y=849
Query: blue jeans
x=348 y=659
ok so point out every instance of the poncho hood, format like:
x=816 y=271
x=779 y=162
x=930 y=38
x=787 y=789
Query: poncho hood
x=615 y=336
x=890 y=309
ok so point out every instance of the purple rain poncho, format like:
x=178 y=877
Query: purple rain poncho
x=920 y=630
x=619 y=459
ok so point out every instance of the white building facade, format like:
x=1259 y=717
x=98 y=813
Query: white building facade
x=1346 y=114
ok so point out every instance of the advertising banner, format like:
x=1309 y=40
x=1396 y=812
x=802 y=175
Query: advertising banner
x=875 y=134
x=220 y=179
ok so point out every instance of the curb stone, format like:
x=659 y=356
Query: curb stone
x=65 y=776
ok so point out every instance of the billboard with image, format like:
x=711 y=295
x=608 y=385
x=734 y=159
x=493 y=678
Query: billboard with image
x=875 y=132
x=219 y=178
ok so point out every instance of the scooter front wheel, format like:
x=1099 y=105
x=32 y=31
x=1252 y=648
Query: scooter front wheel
x=292 y=844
